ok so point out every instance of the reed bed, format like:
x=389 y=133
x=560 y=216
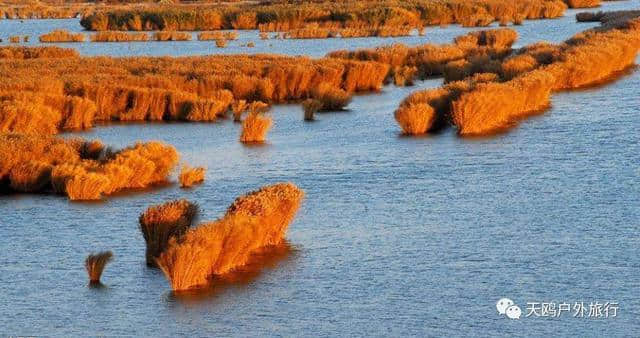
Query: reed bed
x=76 y=92
x=61 y=35
x=191 y=176
x=160 y=223
x=17 y=52
x=117 y=36
x=217 y=35
x=253 y=222
x=408 y=63
x=347 y=14
x=171 y=36
x=95 y=264
x=81 y=170
x=522 y=84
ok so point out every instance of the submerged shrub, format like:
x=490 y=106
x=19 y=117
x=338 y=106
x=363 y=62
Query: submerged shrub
x=255 y=221
x=255 y=128
x=95 y=264
x=191 y=176
x=160 y=223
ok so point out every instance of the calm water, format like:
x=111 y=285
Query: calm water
x=397 y=235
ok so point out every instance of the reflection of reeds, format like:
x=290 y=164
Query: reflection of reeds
x=191 y=176
x=95 y=264
x=160 y=223
x=79 y=169
x=253 y=222
x=61 y=35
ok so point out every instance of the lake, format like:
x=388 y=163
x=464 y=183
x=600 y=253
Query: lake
x=397 y=235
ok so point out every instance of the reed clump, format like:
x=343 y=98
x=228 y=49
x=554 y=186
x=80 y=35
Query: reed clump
x=255 y=221
x=171 y=36
x=95 y=264
x=115 y=36
x=255 y=127
x=61 y=35
x=408 y=63
x=79 y=169
x=522 y=83
x=217 y=35
x=331 y=98
x=160 y=223
x=191 y=176
x=310 y=107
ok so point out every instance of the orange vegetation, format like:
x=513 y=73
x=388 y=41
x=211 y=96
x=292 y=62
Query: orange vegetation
x=36 y=52
x=61 y=35
x=310 y=107
x=268 y=16
x=95 y=263
x=522 y=84
x=253 y=222
x=582 y=3
x=423 y=61
x=217 y=35
x=190 y=176
x=160 y=223
x=255 y=128
x=171 y=36
x=113 y=36
x=82 y=170
x=76 y=92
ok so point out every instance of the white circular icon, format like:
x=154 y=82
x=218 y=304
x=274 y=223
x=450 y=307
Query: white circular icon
x=514 y=312
x=503 y=304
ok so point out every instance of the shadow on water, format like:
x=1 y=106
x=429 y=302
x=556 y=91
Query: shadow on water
x=240 y=279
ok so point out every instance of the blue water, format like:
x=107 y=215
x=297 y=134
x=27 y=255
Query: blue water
x=397 y=236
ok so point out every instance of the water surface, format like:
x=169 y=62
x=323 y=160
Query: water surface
x=397 y=235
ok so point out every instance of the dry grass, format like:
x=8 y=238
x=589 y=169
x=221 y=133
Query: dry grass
x=36 y=52
x=522 y=84
x=62 y=36
x=310 y=107
x=217 y=35
x=253 y=222
x=582 y=3
x=113 y=36
x=408 y=63
x=86 y=90
x=382 y=15
x=14 y=39
x=80 y=169
x=191 y=176
x=255 y=127
x=95 y=264
x=160 y=223
x=171 y=36
x=332 y=98
x=221 y=43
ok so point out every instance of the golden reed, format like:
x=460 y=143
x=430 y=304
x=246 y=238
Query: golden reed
x=82 y=170
x=257 y=220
